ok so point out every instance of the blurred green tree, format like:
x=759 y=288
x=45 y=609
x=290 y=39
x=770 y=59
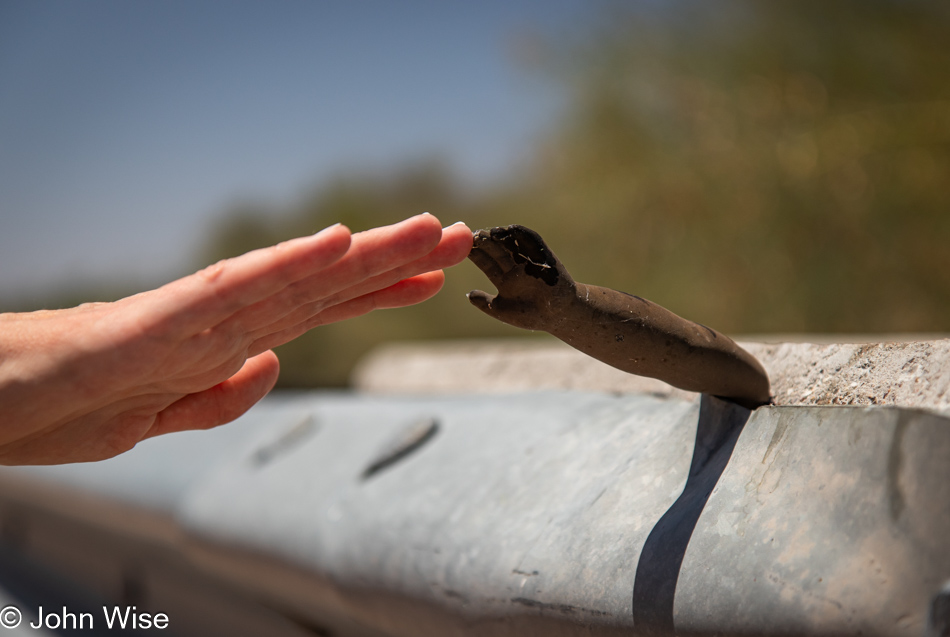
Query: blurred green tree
x=777 y=166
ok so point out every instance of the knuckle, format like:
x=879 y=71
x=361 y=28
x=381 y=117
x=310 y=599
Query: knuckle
x=213 y=272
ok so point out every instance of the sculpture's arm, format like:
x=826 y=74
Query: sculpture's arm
x=536 y=292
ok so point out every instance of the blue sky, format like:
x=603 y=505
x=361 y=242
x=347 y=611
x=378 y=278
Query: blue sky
x=126 y=127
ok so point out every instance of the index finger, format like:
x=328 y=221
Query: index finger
x=208 y=297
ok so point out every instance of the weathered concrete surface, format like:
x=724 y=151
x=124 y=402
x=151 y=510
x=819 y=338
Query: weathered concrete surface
x=907 y=374
x=546 y=513
x=863 y=493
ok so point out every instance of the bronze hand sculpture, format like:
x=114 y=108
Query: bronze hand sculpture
x=536 y=292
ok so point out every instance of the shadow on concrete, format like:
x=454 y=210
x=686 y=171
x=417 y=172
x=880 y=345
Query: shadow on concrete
x=31 y=585
x=720 y=423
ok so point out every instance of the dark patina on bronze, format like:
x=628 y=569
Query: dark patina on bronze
x=536 y=292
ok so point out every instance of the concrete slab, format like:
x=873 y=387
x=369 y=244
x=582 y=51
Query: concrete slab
x=895 y=372
x=564 y=513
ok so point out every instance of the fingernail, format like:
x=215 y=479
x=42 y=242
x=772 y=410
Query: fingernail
x=327 y=229
x=457 y=223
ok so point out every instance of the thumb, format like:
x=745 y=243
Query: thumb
x=483 y=301
x=222 y=403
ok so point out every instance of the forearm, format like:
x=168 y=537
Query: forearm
x=641 y=337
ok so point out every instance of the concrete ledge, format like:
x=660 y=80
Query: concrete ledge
x=901 y=373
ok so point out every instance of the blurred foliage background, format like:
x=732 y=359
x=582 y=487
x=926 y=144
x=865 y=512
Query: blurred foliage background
x=759 y=167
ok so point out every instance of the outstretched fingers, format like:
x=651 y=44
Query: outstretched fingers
x=372 y=254
x=452 y=248
x=208 y=297
x=406 y=292
x=454 y=245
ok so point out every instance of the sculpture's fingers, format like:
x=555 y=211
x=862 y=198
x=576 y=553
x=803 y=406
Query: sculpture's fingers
x=486 y=264
x=489 y=255
x=524 y=243
x=527 y=248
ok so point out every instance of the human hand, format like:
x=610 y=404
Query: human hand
x=90 y=382
x=534 y=288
